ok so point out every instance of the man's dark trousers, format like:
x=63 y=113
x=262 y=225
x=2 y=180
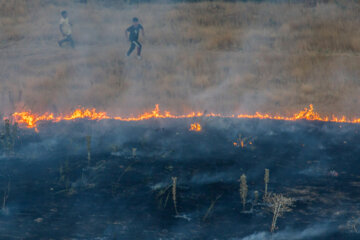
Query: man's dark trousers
x=69 y=39
x=134 y=44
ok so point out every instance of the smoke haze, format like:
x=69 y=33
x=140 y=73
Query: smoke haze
x=221 y=57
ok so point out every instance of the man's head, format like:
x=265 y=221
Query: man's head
x=64 y=14
x=135 y=21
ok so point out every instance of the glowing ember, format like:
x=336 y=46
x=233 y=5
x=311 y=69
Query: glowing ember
x=243 y=141
x=31 y=120
x=240 y=144
x=195 y=127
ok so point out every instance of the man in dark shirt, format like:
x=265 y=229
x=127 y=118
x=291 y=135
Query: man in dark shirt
x=132 y=34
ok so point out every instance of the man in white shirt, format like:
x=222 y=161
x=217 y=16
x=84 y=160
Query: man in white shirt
x=65 y=29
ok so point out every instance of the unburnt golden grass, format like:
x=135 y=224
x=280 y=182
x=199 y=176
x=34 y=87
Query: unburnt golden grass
x=223 y=57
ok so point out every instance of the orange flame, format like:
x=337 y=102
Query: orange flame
x=86 y=113
x=31 y=120
x=195 y=127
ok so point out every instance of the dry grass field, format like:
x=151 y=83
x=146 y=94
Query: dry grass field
x=215 y=56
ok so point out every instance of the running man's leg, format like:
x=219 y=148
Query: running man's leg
x=67 y=39
x=62 y=41
x=72 y=43
x=139 y=47
x=132 y=47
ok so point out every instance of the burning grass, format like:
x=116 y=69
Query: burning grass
x=195 y=127
x=31 y=120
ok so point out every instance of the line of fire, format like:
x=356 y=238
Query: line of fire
x=31 y=120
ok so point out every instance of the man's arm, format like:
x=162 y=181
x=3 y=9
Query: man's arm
x=142 y=32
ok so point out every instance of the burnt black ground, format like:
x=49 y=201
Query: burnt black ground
x=118 y=195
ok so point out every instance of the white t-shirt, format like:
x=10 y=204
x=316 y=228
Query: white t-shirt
x=65 y=26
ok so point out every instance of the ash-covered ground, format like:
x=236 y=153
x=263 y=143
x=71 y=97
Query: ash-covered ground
x=53 y=190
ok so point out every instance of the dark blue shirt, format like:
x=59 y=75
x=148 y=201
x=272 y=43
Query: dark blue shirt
x=134 y=32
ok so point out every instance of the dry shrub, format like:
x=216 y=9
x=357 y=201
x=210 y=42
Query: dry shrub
x=278 y=205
